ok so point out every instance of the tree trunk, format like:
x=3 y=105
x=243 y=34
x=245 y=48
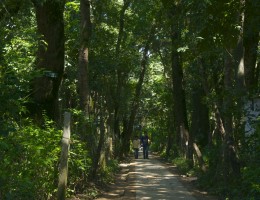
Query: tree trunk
x=250 y=42
x=170 y=139
x=50 y=58
x=257 y=72
x=136 y=99
x=239 y=61
x=228 y=98
x=199 y=157
x=171 y=129
x=85 y=33
x=179 y=102
x=119 y=86
x=200 y=123
x=228 y=113
x=199 y=117
x=180 y=111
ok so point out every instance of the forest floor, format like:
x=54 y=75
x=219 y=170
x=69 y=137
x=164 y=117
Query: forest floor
x=153 y=178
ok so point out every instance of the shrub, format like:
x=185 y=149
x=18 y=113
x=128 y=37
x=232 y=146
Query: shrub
x=30 y=162
x=182 y=164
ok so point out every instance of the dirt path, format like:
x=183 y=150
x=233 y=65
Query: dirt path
x=143 y=179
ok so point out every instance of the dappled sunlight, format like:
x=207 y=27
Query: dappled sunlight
x=154 y=181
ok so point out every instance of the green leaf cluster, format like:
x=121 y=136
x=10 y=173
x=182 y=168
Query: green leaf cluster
x=30 y=161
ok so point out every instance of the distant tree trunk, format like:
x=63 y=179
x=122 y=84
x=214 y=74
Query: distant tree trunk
x=250 y=42
x=50 y=58
x=119 y=86
x=97 y=155
x=257 y=73
x=228 y=112
x=83 y=81
x=239 y=62
x=136 y=99
x=180 y=111
x=220 y=129
x=199 y=117
x=205 y=86
x=171 y=145
x=85 y=33
x=228 y=98
x=170 y=140
x=199 y=157
x=179 y=103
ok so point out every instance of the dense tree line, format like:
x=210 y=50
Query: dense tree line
x=182 y=70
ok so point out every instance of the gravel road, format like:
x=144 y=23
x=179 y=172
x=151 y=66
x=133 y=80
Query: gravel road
x=154 y=181
x=144 y=179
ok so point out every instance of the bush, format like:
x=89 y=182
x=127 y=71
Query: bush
x=251 y=183
x=30 y=161
x=79 y=166
x=183 y=165
x=107 y=174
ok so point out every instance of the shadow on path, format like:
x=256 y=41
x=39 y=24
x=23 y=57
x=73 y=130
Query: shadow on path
x=144 y=179
x=154 y=181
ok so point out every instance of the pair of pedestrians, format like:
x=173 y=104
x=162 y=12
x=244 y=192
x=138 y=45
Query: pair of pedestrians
x=144 y=141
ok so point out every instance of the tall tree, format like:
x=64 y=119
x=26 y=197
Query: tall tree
x=85 y=33
x=50 y=57
x=119 y=71
x=250 y=42
x=183 y=139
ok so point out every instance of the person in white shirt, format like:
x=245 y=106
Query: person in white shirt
x=136 y=144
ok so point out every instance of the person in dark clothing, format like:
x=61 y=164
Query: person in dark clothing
x=145 y=144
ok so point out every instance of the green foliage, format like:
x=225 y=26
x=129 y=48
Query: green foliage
x=17 y=50
x=183 y=165
x=250 y=185
x=79 y=166
x=30 y=165
x=106 y=174
x=247 y=185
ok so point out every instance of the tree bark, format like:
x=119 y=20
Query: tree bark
x=171 y=129
x=180 y=111
x=85 y=34
x=171 y=134
x=199 y=117
x=250 y=42
x=183 y=139
x=50 y=58
x=228 y=113
x=228 y=88
x=119 y=86
x=199 y=156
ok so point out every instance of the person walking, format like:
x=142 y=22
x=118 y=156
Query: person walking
x=136 y=144
x=145 y=144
